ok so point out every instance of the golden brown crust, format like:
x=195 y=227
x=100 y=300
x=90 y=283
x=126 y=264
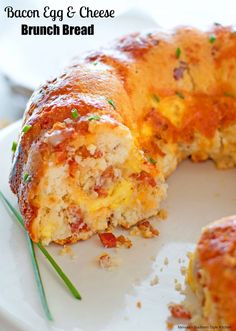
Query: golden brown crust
x=217 y=257
x=130 y=72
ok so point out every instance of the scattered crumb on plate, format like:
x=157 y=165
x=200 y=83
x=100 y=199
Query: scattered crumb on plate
x=139 y=304
x=183 y=270
x=162 y=214
x=144 y=229
x=166 y=261
x=154 y=281
x=178 y=287
x=67 y=250
x=169 y=325
x=179 y=311
x=106 y=261
x=122 y=241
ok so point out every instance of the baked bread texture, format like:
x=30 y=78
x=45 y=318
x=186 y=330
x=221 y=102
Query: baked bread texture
x=212 y=274
x=98 y=141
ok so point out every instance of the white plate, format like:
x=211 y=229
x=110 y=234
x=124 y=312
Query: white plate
x=198 y=194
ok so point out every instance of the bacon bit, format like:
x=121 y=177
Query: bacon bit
x=107 y=239
x=178 y=73
x=77 y=224
x=147 y=230
x=122 y=241
x=73 y=166
x=100 y=191
x=61 y=157
x=145 y=177
x=83 y=127
x=83 y=151
x=98 y=154
x=108 y=173
x=179 y=311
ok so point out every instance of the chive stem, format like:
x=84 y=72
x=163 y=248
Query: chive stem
x=33 y=260
x=39 y=279
x=62 y=275
x=54 y=264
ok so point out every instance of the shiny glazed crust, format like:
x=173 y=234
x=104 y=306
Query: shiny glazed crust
x=158 y=98
x=213 y=272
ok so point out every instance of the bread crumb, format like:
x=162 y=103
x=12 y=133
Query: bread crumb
x=144 y=229
x=169 y=325
x=183 y=270
x=154 y=281
x=122 y=241
x=134 y=232
x=67 y=250
x=179 y=311
x=178 y=287
x=139 y=304
x=166 y=261
x=106 y=261
x=162 y=214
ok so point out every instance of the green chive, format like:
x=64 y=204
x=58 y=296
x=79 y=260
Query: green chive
x=33 y=260
x=27 y=178
x=180 y=95
x=112 y=103
x=229 y=94
x=59 y=271
x=151 y=160
x=178 y=53
x=95 y=63
x=74 y=113
x=94 y=118
x=212 y=38
x=26 y=128
x=39 y=279
x=66 y=280
x=156 y=98
x=14 y=146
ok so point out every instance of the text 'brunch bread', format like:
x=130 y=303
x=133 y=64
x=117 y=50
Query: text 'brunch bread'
x=98 y=141
x=212 y=274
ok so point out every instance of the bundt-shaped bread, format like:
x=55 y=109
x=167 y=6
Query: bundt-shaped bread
x=98 y=141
